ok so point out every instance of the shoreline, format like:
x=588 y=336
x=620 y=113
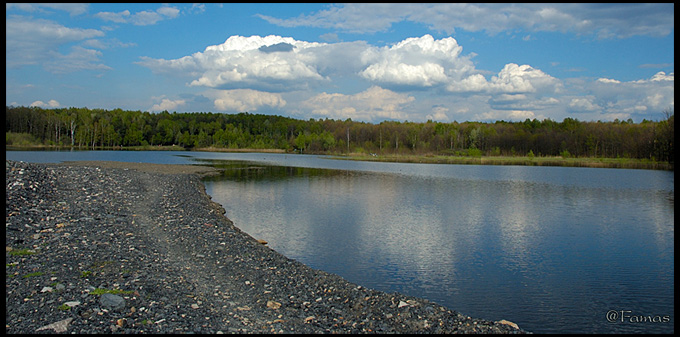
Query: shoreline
x=149 y=236
x=555 y=161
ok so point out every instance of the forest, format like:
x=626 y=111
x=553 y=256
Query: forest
x=117 y=128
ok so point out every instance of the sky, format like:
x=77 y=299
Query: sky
x=368 y=62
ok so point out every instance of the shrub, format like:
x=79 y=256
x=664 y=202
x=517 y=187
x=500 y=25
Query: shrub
x=472 y=152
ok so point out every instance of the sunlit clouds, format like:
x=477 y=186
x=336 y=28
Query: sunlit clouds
x=369 y=62
x=246 y=73
x=374 y=104
x=418 y=62
x=245 y=99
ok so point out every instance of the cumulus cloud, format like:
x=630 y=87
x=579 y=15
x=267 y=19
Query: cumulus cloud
x=660 y=77
x=512 y=78
x=513 y=115
x=241 y=100
x=263 y=63
x=252 y=73
x=167 y=104
x=610 y=98
x=522 y=102
x=274 y=63
x=49 y=105
x=375 y=103
x=524 y=78
x=584 y=104
x=439 y=113
x=420 y=62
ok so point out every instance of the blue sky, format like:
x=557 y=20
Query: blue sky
x=368 y=62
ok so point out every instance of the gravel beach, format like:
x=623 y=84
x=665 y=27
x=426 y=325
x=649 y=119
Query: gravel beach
x=111 y=247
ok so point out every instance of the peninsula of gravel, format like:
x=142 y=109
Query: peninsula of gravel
x=112 y=247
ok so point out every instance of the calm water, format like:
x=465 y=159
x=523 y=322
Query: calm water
x=555 y=250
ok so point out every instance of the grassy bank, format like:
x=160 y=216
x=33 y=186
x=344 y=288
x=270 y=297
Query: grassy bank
x=222 y=149
x=627 y=163
x=34 y=147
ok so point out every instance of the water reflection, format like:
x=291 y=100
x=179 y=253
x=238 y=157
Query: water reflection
x=543 y=255
x=552 y=249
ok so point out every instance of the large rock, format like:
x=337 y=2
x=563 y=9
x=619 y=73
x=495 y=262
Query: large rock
x=111 y=301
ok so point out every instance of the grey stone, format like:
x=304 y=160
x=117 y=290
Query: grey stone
x=112 y=301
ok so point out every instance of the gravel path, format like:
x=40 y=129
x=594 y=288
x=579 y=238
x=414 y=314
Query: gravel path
x=106 y=247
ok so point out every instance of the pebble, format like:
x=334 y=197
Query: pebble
x=72 y=303
x=151 y=234
x=112 y=301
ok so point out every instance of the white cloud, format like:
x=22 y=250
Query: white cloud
x=346 y=18
x=421 y=61
x=79 y=59
x=513 y=115
x=607 y=80
x=33 y=41
x=239 y=63
x=72 y=8
x=603 y=20
x=143 y=18
x=274 y=63
x=241 y=100
x=197 y=8
x=168 y=12
x=611 y=98
x=473 y=83
x=439 y=113
x=167 y=104
x=512 y=78
x=523 y=102
x=49 y=105
x=584 y=104
x=120 y=17
x=107 y=43
x=373 y=104
x=252 y=73
x=660 y=76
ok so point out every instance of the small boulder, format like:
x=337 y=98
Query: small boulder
x=509 y=323
x=112 y=301
x=58 y=327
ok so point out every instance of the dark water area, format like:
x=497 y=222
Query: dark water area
x=553 y=249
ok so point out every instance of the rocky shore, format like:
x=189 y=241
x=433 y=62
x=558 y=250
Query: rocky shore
x=104 y=247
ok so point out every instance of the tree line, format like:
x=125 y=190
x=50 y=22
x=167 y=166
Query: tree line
x=101 y=129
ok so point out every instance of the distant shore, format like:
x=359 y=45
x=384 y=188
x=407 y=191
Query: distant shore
x=624 y=163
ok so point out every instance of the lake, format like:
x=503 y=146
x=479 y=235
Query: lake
x=553 y=249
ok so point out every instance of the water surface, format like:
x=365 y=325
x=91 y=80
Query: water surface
x=554 y=249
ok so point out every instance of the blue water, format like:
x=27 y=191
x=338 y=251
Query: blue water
x=553 y=249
